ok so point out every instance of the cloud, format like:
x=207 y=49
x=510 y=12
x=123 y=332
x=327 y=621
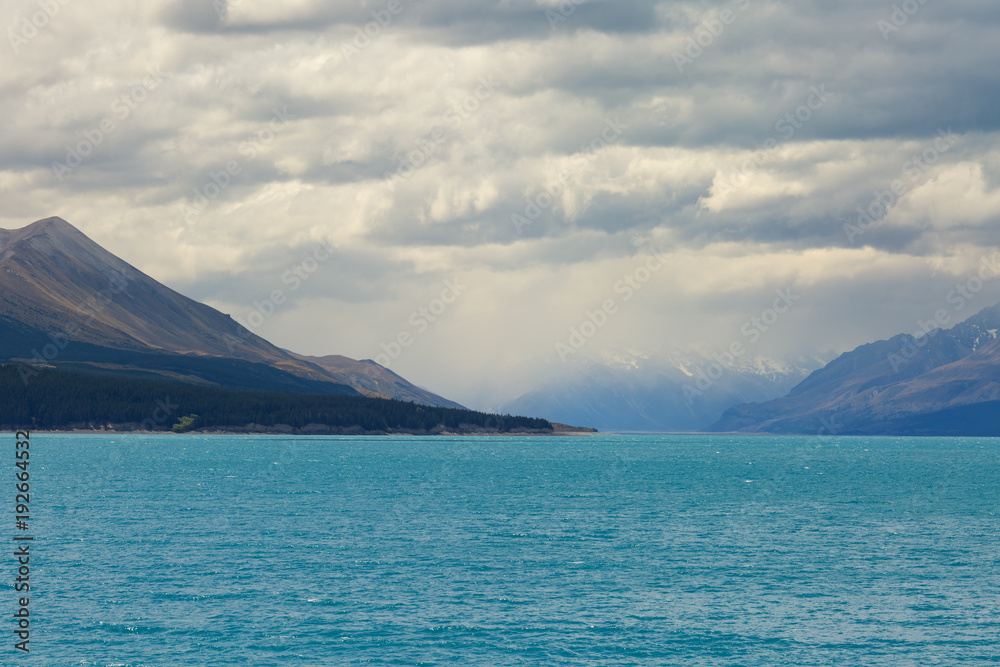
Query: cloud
x=531 y=153
x=450 y=22
x=195 y=15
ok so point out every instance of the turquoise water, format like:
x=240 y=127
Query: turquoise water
x=606 y=550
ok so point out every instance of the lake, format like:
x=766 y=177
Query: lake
x=157 y=550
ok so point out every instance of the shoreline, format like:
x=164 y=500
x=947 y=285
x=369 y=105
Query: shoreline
x=301 y=433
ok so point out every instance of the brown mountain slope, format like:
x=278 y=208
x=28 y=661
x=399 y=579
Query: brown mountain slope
x=973 y=379
x=52 y=276
x=58 y=285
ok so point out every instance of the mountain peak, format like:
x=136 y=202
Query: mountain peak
x=55 y=229
x=55 y=223
x=49 y=223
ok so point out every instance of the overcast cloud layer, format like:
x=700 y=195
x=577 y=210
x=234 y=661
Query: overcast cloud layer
x=542 y=155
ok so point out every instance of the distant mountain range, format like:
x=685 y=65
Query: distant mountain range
x=71 y=307
x=946 y=382
x=630 y=391
x=67 y=303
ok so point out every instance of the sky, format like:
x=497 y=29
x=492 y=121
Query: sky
x=473 y=193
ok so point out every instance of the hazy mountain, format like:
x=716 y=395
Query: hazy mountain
x=67 y=302
x=635 y=392
x=944 y=382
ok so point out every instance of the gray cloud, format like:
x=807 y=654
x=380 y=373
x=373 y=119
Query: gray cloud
x=449 y=22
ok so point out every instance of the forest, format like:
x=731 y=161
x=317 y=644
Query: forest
x=43 y=398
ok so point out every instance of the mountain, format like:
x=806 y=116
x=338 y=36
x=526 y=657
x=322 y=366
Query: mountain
x=945 y=382
x=53 y=275
x=629 y=391
x=371 y=379
x=67 y=302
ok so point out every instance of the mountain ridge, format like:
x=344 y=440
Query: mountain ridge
x=895 y=385
x=369 y=378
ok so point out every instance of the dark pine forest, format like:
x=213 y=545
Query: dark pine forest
x=42 y=398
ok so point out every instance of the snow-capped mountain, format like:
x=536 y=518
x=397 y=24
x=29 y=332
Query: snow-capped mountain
x=629 y=390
